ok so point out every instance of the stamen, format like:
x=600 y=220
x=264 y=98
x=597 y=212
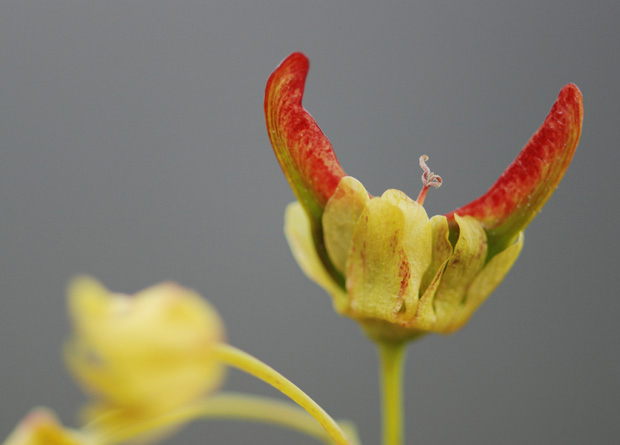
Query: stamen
x=429 y=179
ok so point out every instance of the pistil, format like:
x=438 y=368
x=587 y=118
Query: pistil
x=429 y=179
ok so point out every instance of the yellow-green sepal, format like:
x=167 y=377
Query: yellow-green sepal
x=298 y=232
x=465 y=263
x=340 y=217
x=487 y=280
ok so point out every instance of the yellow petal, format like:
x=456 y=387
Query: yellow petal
x=299 y=237
x=340 y=217
x=391 y=250
x=87 y=304
x=463 y=266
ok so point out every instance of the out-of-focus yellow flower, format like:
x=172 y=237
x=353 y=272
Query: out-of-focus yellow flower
x=384 y=262
x=41 y=427
x=144 y=355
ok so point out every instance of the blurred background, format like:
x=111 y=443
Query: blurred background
x=133 y=148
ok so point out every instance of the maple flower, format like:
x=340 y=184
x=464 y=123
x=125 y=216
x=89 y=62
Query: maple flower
x=144 y=355
x=382 y=259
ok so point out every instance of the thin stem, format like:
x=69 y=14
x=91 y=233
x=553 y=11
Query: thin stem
x=391 y=356
x=230 y=406
x=246 y=362
x=422 y=195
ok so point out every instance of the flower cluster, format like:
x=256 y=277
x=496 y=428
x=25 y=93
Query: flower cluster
x=153 y=361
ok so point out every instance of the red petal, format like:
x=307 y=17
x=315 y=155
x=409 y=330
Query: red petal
x=305 y=154
x=524 y=187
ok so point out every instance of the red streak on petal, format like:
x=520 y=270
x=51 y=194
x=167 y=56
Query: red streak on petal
x=404 y=273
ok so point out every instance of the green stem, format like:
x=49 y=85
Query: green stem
x=250 y=364
x=230 y=406
x=391 y=356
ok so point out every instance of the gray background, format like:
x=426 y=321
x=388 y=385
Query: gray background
x=133 y=148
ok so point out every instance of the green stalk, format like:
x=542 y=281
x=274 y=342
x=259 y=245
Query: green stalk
x=237 y=358
x=226 y=405
x=392 y=359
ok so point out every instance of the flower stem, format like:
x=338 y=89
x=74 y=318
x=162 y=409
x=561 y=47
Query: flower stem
x=391 y=356
x=250 y=364
x=232 y=406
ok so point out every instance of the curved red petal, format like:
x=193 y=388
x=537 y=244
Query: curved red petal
x=305 y=154
x=524 y=187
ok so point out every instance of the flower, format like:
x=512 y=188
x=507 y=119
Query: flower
x=383 y=260
x=144 y=355
x=41 y=427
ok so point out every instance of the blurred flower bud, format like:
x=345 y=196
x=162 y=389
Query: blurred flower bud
x=143 y=355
